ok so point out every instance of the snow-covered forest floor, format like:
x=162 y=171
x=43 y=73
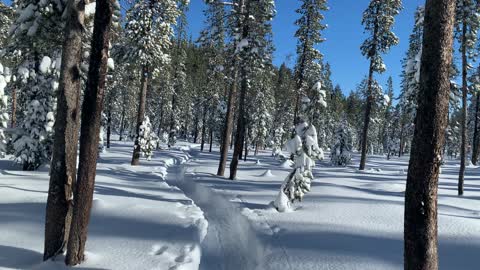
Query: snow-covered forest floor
x=143 y=220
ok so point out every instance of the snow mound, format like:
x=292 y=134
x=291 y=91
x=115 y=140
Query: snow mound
x=267 y=173
x=287 y=164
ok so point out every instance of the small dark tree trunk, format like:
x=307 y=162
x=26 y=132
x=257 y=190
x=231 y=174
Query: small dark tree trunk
x=420 y=229
x=109 y=125
x=122 y=122
x=211 y=140
x=476 y=138
x=64 y=161
x=173 y=125
x=140 y=114
x=204 y=127
x=89 y=134
x=463 y=122
x=195 y=131
x=13 y=118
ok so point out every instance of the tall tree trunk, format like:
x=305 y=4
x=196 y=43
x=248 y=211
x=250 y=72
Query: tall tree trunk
x=241 y=125
x=13 y=118
x=173 y=125
x=370 y=101
x=89 y=134
x=211 y=140
x=228 y=128
x=122 y=122
x=195 y=131
x=140 y=114
x=65 y=144
x=463 y=122
x=420 y=229
x=204 y=127
x=476 y=138
x=109 y=124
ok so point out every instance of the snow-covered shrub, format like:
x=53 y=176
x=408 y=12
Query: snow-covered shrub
x=147 y=139
x=101 y=141
x=341 y=150
x=34 y=137
x=305 y=150
x=4 y=78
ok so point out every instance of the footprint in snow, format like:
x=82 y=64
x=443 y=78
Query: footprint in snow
x=158 y=250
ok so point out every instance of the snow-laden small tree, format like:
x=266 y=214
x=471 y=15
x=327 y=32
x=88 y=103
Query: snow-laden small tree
x=33 y=141
x=147 y=139
x=3 y=111
x=305 y=150
x=341 y=154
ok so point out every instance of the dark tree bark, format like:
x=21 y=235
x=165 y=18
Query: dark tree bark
x=420 y=228
x=140 y=114
x=370 y=101
x=463 y=122
x=204 y=127
x=109 y=124
x=13 y=118
x=89 y=134
x=64 y=161
x=476 y=137
x=241 y=126
x=211 y=140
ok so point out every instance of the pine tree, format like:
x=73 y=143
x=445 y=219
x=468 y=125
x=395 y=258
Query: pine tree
x=304 y=148
x=148 y=31
x=378 y=20
x=34 y=139
x=308 y=68
x=65 y=140
x=341 y=154
x=420 y=234
x=467 y=22
x=89 y=132
x=254 y=52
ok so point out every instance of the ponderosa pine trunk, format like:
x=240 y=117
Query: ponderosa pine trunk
x=13 y=117
x=476 y=138
x=211 y=140
x=241 y=123
x=142 y=101
x=89 y=132
x=420 y=228
x=65 y=145
x=370 y=101
x=463 y=122
x=204 y=127
x=109 y=124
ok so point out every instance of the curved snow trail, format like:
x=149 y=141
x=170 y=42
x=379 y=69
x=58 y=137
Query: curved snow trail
x=231 y=243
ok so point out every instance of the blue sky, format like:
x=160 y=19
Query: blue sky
x=344 y=37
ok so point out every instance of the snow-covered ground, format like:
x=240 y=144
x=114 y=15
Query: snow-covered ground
x=138 y=220
x=350 y=219
x=144 y=218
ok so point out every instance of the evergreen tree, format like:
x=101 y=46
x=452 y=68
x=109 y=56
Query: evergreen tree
x=308 y=68
x=467 y=22
x=341 y=151
x=305 y=150
x=148 y=31
x=378 y=20
x=4 y=79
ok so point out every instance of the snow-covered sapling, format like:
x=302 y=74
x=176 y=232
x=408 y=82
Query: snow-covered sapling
x=147 y=139
x=305 y=150
x=341 y=150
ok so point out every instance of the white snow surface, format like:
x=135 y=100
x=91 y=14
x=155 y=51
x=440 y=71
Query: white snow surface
x=138 y=220
x=349 y=220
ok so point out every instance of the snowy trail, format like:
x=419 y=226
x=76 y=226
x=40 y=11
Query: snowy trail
x=231 y=242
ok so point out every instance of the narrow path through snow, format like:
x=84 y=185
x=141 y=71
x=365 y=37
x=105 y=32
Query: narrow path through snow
x=231 y=242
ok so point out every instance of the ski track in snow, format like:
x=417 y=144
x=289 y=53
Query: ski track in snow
x=231 y=243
